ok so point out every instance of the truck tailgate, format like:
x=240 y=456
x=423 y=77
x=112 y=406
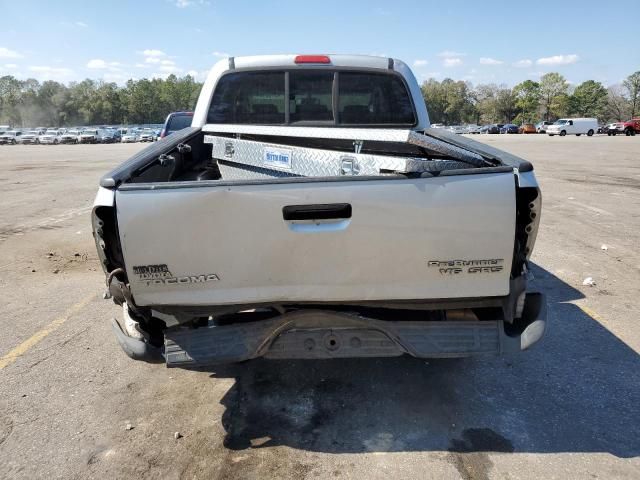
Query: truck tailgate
x=318 y=241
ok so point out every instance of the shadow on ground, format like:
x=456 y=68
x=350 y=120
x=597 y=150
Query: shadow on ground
x=577 y=391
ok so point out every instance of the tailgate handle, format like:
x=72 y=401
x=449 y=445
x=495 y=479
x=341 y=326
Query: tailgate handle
x=320 y=211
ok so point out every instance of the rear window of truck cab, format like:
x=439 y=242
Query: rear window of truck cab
x=312 y=97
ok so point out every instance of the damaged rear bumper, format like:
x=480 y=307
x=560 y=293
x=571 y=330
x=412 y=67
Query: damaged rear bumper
x=318 y=334
x=322 y=335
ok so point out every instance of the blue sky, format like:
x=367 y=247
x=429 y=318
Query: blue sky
x=499 y=42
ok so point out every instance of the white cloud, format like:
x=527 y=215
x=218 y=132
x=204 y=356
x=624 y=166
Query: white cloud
x=526 y=63
x=420 y=63
x=96 y=63
x=10 y=66
x=452 y=62
x=188 y=3
x=141 y=65
x=45 y=72
x=116 y=77
x=167 y=62
x=100 y=64
x=193 y=73
x=81 y=24
x=170 y=69
x=220 y=54
x=451 y=54
x=153 y=53
x=490 y=61
x=558 y=60
x=8 y=53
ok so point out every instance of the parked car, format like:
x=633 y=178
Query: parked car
x=130 y=137
x=147 y=135
x=89 y=135
x=528 y=128
x=490 y=129
x=615 y=128
x=457 y=129
x=70 y=136
x=438 y=125
x=108 y=136
x=174 y=243
x=11 y=137
x=573 y=126
x=30 y=137
x=631 y=127
x=510 y=128
x=474 y=129
x=176 y=121
x=541 y=127
x=51 y=137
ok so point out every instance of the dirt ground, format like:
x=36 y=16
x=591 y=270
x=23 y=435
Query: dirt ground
x=72 y=405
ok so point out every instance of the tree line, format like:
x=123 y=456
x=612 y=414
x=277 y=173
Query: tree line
x=94 y=102
x=454 y=102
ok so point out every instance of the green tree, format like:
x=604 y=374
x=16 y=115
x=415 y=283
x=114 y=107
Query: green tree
x=10 y=94
x=588 y=99
x=632 y=84
x=449 y=101
x=616 y=105
x=553 y=95
x=528 y=97
x=505 y=104
x=486 y=103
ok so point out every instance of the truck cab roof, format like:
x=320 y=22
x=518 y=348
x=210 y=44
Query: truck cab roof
x=330 y=63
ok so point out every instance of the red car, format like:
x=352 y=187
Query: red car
x=632 y=126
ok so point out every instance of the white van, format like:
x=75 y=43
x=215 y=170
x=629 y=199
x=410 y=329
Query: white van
x=573 y=126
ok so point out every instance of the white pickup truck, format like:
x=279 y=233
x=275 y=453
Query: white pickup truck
x=311 y=212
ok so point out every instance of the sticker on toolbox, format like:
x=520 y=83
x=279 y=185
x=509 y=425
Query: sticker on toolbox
x=277 y=157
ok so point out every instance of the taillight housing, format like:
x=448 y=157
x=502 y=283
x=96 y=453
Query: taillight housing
x=322 y=59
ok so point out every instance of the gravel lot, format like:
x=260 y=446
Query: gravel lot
x=569 y=408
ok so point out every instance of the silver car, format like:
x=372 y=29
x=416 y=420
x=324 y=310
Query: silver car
x=130 y=137
x=51 y=137
x=31 y=137
x=89 y=135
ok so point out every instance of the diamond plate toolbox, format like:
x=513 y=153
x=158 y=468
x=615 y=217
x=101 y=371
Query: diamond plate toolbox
x=267 y=159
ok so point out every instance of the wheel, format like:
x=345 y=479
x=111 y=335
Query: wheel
x=590 y=133
x=578 y=134
x=55 y=142
x=608 y=134
x=563 y=133
x=630 y=132
x=551 y=135
x=614 y=133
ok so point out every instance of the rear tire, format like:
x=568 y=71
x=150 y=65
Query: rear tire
x=578 y=134
x=563 y=133
x=630 y=132
x=590 y=133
